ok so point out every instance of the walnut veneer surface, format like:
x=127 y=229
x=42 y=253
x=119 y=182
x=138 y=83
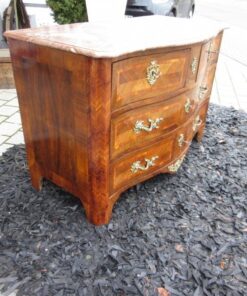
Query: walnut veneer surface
x=100 y=114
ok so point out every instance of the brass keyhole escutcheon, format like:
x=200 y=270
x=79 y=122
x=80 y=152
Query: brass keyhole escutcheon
x=153 y=72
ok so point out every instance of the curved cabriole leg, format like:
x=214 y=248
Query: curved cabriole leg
x=36 y=178
x=98 y=216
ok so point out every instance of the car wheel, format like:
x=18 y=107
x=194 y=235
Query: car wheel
x=172 y=13
x=191 y=13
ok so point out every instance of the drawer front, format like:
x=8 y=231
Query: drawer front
x=194 y=64
x=135 y=167
x=205 y=88
x=137 y=127
x=183 y=139
x=214 y=48
x=209 y=58
x=186 y=133
x=139 y=78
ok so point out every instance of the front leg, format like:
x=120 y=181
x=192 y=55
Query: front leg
x=199 y=133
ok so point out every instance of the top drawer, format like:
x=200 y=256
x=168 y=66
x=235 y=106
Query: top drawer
x=214 y=48
x=139 y=78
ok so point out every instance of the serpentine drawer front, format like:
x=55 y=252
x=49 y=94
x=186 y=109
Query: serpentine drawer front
x=139 y=126
x=135 y=79
x=128 y=169
x=103 y=109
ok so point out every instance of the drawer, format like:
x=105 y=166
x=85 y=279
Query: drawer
x=183 y=138
x=140 y=126
x=186 y=133
x=137 y=166
x=205 y=88
x=194 y=64
x=213 y=51
x=139 y=78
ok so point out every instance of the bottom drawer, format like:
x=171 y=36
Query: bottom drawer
x=138 y=165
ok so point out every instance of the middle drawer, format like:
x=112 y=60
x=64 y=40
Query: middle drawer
x=137 y=128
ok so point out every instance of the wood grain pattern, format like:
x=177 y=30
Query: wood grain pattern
x=121 y=169
x=172 y=112
x=194 y=62
x=130 y=77
x=207 y=69
x=59 y=129
x=78 y=115
x=215 y=48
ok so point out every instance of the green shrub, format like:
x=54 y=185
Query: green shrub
x=68 y=11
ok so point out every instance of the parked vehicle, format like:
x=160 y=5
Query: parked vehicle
x=176 y=8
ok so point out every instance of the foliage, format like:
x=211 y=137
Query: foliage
x=68 y=11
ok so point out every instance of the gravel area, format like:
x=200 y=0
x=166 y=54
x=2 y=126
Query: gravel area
x=182 y=234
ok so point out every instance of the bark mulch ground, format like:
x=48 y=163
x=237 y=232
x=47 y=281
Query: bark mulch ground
x=185 y=234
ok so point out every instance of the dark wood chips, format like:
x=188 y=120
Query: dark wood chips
x=185 y=234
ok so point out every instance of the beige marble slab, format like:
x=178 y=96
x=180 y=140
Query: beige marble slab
x=113 y=39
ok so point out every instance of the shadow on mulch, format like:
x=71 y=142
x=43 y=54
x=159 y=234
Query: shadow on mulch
x=186 y=232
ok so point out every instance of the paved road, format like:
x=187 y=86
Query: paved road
x=230 y=87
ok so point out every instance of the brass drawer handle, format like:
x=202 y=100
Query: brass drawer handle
x=202 y=91
x=210 y=51
x=153 y=72
x=194 y=65
x=174 y=167
x=154 y=124
x=197 y=123
x=137 y=164
x=182 y=141
x=187 y=105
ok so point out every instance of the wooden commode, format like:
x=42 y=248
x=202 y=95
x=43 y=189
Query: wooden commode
x=105 y=106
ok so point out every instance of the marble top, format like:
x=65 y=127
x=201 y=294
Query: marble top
x=113 y=39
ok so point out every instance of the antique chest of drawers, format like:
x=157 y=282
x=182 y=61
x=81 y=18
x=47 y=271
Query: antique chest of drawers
x=106 y=106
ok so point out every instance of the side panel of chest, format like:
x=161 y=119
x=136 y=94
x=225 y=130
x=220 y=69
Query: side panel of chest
x=65 y=111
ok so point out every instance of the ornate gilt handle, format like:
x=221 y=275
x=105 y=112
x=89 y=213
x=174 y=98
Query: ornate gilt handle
x=194 y=65
x=197 y=123
x=202 y=91
x=173 y=168
x=153 y=72
x=182 y=141
x=154 y=124
x=136 y=166
x=187 y=105
x=210 y=51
